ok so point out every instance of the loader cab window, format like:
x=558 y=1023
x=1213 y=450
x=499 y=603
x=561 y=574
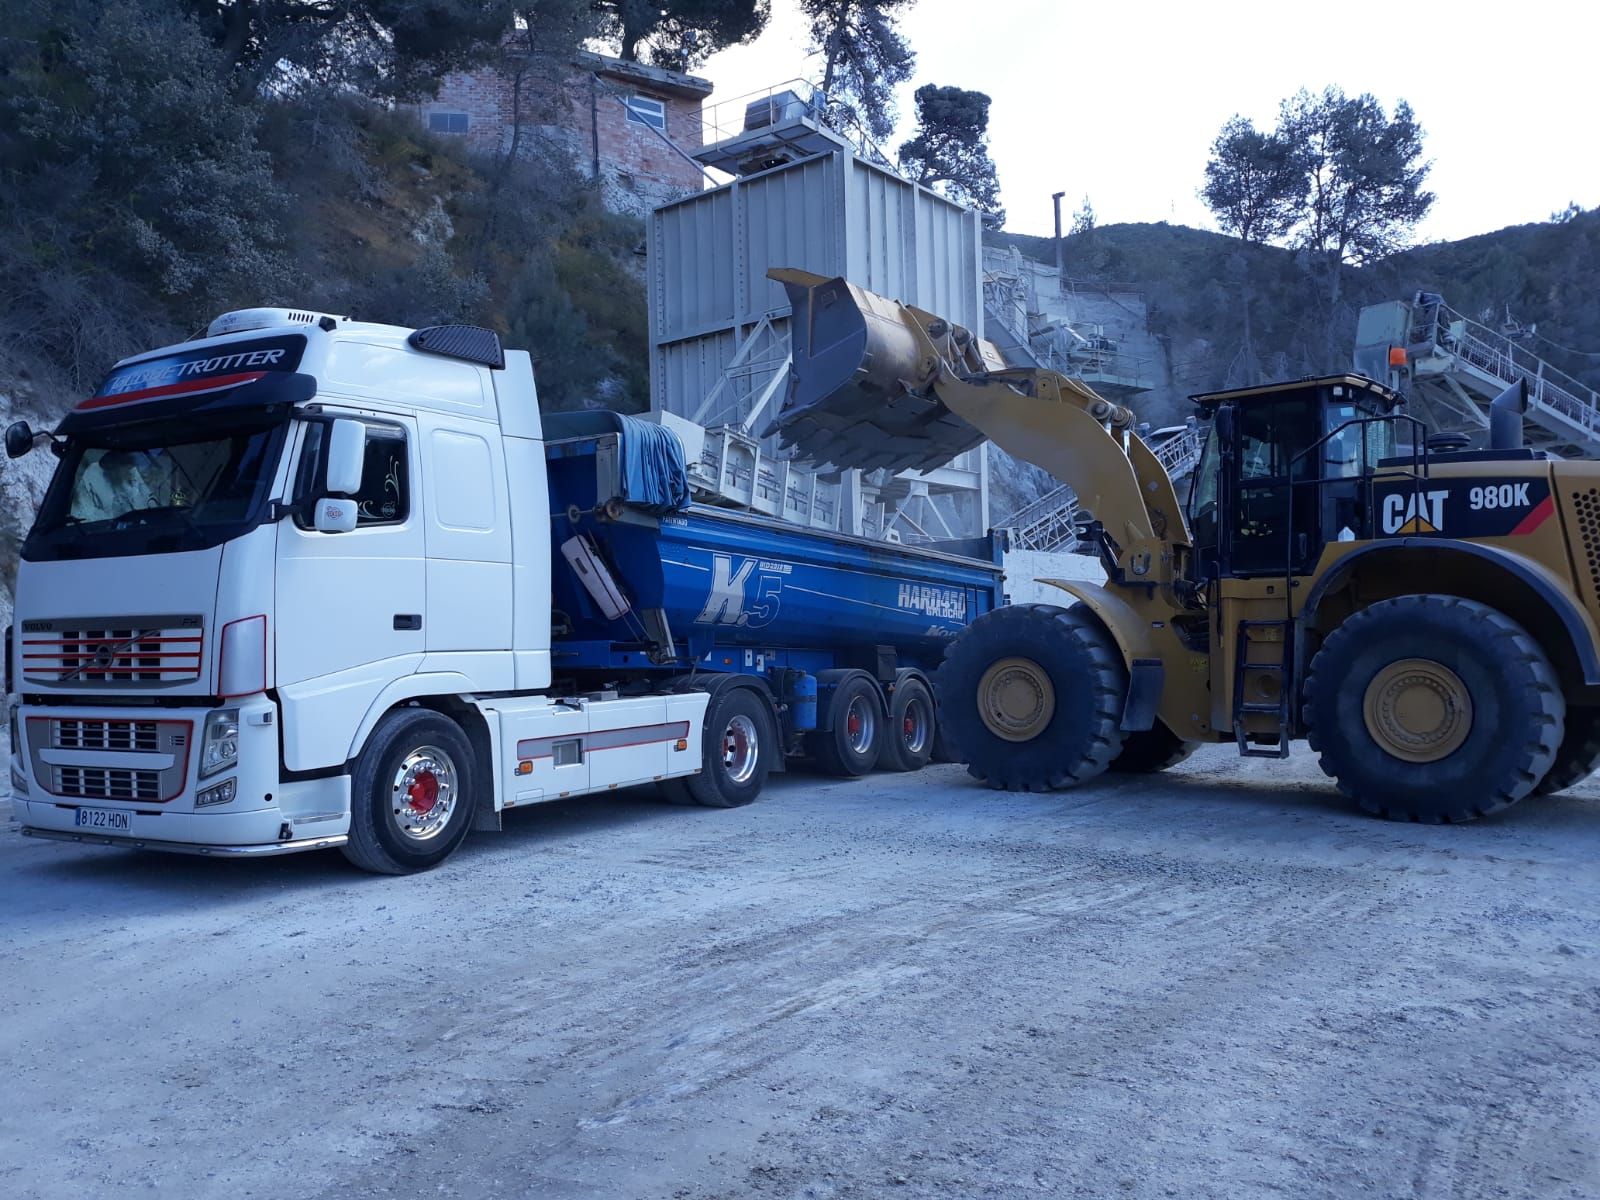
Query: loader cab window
x=1271 y=489
x=1204 y=526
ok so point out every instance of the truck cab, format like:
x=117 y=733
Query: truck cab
x=256 y=548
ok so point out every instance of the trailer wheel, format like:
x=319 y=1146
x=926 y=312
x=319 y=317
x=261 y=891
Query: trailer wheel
x=411 y=793
x=852 y=747
x=1579 y=755
x=738 y=744
x=913 y=728
x=1433 y=708
x=1147 y=751
x=1031 y=697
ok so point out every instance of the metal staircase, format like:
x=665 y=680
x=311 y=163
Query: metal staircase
x=1455 y=366
x=1049 y=523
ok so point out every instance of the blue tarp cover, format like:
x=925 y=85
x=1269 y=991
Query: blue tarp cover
x=650 y=471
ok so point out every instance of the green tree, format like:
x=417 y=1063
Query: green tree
x=1255 y=182
x=124 y=156
x=1255 y=186
x=950 y=150
x=396 y=48
x=864 y=58
x=680 y=34
x=1083 y=221
x=1363 y=175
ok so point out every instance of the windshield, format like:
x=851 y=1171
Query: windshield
x=157 y=487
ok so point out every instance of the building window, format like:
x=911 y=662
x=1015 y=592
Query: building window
x=447 y=122
x=647 y=111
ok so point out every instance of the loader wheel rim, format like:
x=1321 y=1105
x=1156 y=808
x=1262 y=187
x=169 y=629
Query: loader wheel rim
x=1418 y=710
x=1016 y=699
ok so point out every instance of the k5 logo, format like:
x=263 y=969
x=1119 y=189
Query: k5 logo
x=729 y=603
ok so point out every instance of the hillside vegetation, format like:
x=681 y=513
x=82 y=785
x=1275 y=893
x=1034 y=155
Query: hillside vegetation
x=1194 y=284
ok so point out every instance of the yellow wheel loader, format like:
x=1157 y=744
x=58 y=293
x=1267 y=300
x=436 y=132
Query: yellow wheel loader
x=1425 y=618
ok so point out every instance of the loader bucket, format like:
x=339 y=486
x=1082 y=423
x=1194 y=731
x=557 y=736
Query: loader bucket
x=857 y=395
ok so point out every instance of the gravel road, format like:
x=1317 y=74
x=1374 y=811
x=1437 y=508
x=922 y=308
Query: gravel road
x=1215 y=983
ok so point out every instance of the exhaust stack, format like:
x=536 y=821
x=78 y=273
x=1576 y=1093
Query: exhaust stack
x=1505 y=417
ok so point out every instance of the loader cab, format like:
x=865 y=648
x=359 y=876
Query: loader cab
x=1284 y=471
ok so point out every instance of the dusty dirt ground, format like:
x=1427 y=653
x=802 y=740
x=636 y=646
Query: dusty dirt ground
x=1217 y=983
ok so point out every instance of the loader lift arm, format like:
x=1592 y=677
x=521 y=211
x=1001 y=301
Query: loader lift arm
x=876 y=383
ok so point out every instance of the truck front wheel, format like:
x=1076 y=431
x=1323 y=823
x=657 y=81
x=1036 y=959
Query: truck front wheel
x=411 y=793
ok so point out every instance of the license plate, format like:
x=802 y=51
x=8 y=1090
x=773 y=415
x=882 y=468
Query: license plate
x=112 y=820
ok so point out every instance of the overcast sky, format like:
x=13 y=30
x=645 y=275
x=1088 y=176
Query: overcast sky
x=1121 y=101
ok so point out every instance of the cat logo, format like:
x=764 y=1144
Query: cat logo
x=1414 y=512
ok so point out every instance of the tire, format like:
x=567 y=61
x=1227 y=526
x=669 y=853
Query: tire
x=855 y=743
x=913 y=728
x=1433 y=709
x=416 y=766
x=1147 y=751
x=1579 y=754
x=738 y=743
x=1065 y=683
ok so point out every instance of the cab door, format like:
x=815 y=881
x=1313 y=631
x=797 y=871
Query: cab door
x=350 y=606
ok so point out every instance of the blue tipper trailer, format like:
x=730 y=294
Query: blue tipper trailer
x=837 y=635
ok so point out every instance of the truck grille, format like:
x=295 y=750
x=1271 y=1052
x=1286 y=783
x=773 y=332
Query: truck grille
x=136 y=759
x=112 y=650
x=107 y=783
x=80 y=734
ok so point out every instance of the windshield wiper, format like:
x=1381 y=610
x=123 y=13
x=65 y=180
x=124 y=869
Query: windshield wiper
x=188 y=519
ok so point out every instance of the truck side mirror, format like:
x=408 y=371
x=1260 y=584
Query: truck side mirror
x=333 y=515
x=19 y=439
x=347 y=452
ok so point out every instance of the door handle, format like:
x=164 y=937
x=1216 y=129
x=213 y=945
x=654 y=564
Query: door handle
x=408 y=620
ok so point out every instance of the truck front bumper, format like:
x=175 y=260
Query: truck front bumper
x=257 y=850
x=268 y=814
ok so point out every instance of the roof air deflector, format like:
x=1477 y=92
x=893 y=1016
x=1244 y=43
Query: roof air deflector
x=469 y=343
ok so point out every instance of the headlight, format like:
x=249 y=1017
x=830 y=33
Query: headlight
x=219 y=748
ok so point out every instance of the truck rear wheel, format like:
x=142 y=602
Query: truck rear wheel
x=738 y=743
x=411 y=793
x=1579 y=755
x=852 y=747
x=1433 y=708
x=1031 y=697
x=913 y=728
x=1146 y=751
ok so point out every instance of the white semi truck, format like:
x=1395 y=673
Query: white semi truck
x=308 y=582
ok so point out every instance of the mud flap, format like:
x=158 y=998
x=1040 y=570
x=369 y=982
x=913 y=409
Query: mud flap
x=1145 y=679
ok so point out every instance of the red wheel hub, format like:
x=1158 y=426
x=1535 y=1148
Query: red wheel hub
x=852 y=724
x=423 y=792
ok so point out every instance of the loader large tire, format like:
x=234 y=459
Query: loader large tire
x=1031 y=697
x=1150 y=750
x=1433 y=708
x=1579 y=755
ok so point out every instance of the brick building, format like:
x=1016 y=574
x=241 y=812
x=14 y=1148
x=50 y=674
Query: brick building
x=631 y=127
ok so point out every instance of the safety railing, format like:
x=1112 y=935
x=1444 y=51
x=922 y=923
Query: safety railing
x=1499 y=357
